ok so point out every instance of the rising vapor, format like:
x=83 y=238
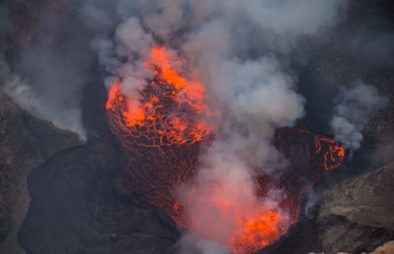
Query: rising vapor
x=238 y=50
x=352 y=110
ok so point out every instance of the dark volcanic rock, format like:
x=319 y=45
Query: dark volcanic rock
x=358 y=214
x=25 y=142
x=75 y=209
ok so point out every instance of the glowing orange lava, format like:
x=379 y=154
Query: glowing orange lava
x=232 y=213
x=259 y=230
x=300 y=145
x=256 y=232
x=162 y=129
x=170 y=111
x=333 y=156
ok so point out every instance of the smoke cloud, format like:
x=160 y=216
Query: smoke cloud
x=25 y=96
x=354 y=105
x=51 y=68
x=238 y=50
x=193 y=244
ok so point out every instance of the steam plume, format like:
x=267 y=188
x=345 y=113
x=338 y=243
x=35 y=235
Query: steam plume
x=52 y=63
x=352 y=112
x=238 y=50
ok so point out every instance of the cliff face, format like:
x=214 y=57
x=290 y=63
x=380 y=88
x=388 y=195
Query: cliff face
x=357 y=215
x=25 y=142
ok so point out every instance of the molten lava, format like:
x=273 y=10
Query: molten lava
x=171 y=109
x=162 y=131
x=305 y=149
x=258 y=231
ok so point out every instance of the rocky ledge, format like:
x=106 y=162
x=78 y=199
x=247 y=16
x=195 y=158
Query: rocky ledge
x=357 y=215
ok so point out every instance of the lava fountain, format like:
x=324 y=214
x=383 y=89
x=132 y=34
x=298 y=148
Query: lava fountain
x=162 y=132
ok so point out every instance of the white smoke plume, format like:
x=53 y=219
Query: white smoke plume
x=50 y=62
x=193 y=244
x=238 y=49
x=351 y=114
x=26 y=97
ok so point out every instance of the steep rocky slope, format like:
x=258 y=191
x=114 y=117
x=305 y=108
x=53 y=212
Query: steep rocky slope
x=357 y=215
x=25 y=142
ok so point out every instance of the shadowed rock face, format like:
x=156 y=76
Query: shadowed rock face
x=357 y=215
x=25 y=142
x=75 y=209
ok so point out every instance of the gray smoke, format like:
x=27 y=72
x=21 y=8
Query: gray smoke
x=351 y=113
x=239 y=51
x=53 y=64
x=193 y=244
x=54 y=69
x=68 y=118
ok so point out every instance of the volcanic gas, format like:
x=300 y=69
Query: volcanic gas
x=162 y=131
